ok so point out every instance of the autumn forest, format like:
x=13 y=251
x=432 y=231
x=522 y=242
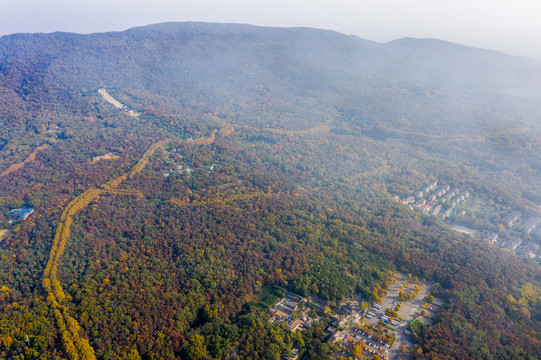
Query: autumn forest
x=240 y=163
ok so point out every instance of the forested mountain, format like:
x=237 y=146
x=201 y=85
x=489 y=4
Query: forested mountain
x=146 y=243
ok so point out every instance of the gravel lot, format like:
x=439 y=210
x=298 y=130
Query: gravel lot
x=408 y=310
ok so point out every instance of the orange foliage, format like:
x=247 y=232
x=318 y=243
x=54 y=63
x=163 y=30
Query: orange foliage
x=75 y=345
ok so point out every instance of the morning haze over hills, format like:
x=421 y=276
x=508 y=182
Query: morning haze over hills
x=226 y=191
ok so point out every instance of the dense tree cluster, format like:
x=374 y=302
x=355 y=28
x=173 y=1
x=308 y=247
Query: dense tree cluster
x=293 y=191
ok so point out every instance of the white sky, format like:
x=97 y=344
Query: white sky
x=512 y=26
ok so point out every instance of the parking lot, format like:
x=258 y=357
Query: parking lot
x=374 y=346
x=409 y=310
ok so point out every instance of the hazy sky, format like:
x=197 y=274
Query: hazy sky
x=513 y=26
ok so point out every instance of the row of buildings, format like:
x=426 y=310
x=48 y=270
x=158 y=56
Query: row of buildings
x=528 y=225
x=443 y=201
x=434 y=200
x=290 y=310
x=515 y=243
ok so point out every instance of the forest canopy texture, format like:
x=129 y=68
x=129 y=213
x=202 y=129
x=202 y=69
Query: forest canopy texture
x=255 y=161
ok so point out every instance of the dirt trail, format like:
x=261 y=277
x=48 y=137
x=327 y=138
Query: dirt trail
x=30 y=158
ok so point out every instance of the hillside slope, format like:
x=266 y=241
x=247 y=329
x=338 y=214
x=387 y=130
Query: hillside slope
x=257 y=160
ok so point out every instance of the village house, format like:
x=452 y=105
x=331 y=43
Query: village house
x=295 y=325
x=512 y=244
x=491 y=237
x=420 y=203
x=511 y=218
x=531 y=224
x=530 y=250
x=447 y=213
x=436 y=210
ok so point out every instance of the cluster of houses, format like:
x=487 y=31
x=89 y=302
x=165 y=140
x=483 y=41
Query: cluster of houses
x=491 y=237
x=511 y=218
x=432 y=199
x=530 y=250
x=290 y=310
x=177 y=166
x=377 y=331
x=293 y=310
x=512 y=243
x=442 y=201
x=516 y=243
x=296 y=311
x=531 y=224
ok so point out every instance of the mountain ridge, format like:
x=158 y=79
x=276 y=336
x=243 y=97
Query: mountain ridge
x=199 y=25
x=282 y=49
